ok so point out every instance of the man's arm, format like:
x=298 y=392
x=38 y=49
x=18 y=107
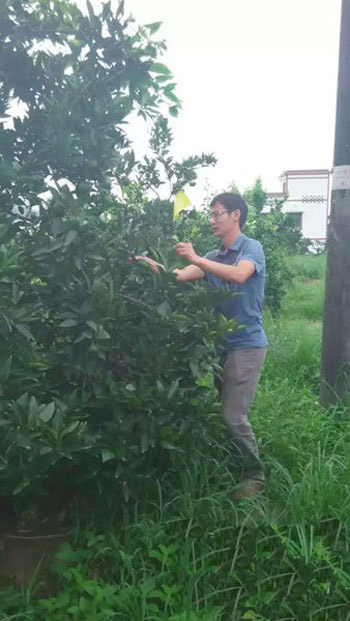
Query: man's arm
x=231 y=273
x=188 y=273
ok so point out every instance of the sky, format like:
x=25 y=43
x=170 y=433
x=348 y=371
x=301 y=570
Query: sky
x=257 y=80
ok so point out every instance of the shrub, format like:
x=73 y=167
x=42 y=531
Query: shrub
x=115 y=363
x=104 y=369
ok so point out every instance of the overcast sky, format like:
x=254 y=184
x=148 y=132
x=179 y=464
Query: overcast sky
x=257 y=79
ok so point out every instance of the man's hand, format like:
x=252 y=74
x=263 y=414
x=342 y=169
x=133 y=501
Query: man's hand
x=154 y=264
x=185 y=249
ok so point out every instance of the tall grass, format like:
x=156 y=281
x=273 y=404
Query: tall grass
x=305 y=299
x=308 y=267
x=189 y=553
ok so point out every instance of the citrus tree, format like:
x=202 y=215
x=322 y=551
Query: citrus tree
x=105 y=370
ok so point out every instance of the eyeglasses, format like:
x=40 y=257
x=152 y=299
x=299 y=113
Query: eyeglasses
x=215 y=216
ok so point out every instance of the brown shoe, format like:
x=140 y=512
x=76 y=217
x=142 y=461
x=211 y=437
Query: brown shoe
x=248 y=489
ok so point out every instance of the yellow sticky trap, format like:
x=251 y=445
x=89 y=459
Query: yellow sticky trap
x=181 y=202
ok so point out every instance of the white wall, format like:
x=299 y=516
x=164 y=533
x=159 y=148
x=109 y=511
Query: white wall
x=314 y=218
x=309 y=195
x=297 y=188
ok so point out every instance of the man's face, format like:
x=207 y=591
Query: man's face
x=221 y=221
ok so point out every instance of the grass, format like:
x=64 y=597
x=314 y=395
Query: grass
x=308 y=267
x=310 y=301
x=190 y=554
x=305 y=299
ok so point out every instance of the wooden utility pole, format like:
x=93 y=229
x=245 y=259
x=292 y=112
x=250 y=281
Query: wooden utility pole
x=335 y=368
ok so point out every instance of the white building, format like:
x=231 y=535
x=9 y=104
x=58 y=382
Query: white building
x=307 y=196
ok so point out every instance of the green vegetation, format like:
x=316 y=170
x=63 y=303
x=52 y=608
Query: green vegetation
x=105 y=370
x=109 y=417
x=187 y=553
x=306 y=301
x=310 y=300
x=308 y=268
x=91 y=385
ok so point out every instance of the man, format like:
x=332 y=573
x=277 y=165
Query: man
x=239 y=263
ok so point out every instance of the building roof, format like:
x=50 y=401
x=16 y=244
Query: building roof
x=276 y=194
x=314 y=171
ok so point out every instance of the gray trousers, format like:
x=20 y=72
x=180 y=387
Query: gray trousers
x=242 y=369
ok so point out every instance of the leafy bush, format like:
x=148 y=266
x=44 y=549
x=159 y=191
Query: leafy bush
x=117 y=365
x=104 y=369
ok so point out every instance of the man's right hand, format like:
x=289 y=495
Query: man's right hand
x=154 y=264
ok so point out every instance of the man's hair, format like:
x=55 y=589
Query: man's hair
x=231 y=202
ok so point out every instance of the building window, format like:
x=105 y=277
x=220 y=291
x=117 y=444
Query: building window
x=296 y=218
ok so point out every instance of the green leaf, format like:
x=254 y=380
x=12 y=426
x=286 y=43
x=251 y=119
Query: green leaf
x=173 y=388
x=5 y=368
x=24 y=330
x=71 y=428
x=164 y=308
x=58 y=226
x=84 y=335
x=154 y=27
x=168 y=446
x=90 y=9
x=7 y=320
x=107 y=455
x=20 y=487
x=169 y=88
x=92 y=325
x=160 y=386
x=160 y=68
x=48 y=249
x=33 y=410
x=46 y=412
x=102 y=334
x=144 y=442
x=147 y=585
x=68 y=323
x=172 y=97
x=45 y=450
x=78 y=262
x=194 y=368
x=70 y=237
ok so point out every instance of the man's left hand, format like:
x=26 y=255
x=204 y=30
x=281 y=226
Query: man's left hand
x=185 y=249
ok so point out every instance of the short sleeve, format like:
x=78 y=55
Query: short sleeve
x=212 y=254
x=254 y=252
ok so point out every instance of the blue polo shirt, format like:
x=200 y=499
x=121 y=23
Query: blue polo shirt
x=246 y=308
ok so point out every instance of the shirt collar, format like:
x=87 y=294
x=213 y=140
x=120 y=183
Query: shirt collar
x=235 y=246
